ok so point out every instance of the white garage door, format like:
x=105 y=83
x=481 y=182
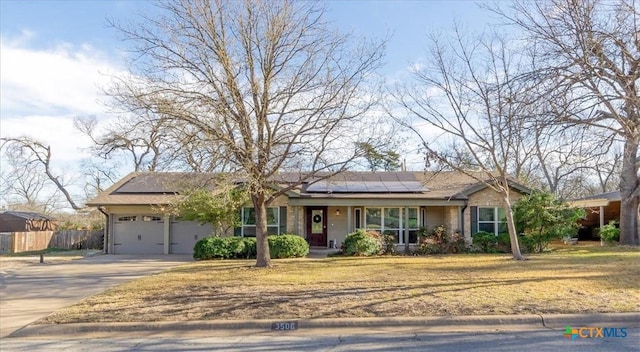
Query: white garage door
x=138 y=234
x=185 y=234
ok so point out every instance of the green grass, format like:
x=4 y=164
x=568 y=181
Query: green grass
x=54 y=251
x=569 y=279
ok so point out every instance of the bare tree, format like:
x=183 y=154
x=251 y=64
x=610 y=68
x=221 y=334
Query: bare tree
x=466 y=96
x=148 y=142
x=23 y=186
x=139 y=141
x=567 y=160
x=35 y=157
x=99 y=175
x=591 y=50
x=268 y=84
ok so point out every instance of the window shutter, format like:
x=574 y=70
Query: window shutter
x=474 y=220
x=283 y=220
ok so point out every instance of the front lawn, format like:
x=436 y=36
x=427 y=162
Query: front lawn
x=56 y=252
x=570 y=279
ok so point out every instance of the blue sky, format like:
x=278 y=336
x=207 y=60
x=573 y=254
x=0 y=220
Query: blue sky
x=55 y=55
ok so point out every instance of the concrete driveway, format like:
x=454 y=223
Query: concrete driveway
x=28 y=293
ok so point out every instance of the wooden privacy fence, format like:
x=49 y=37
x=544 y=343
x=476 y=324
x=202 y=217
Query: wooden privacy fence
x=16 y=242
x=5 y=242
x=77 y=239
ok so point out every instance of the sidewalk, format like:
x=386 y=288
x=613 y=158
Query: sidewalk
x=354 y=326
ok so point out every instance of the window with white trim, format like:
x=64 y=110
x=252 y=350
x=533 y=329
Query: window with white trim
x=391 y=221
x=248 y=228
x=492 y=220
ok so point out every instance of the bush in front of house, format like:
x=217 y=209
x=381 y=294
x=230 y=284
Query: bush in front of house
x=439 y=241
x=610 y=233
x=280 y=246
x=542 y=218
x=486 y=242
x=288 y=246
x=214 y=247
x=389 y=243
x=362 y=243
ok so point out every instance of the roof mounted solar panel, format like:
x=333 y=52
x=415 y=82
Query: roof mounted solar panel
x=367 y=187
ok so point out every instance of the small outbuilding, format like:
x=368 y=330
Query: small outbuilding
x=22 y=221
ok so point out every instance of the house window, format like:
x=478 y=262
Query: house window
x=413 y=225
x=151 y=218
x=492 y=220
x=128 y=218
x=391 y=221
x=248 y=228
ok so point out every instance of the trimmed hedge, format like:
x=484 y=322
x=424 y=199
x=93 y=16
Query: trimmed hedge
x=280 y=246
x=288 y=246
x=485 y=241
x=490 y=243
x=362 y=243
x=225 y=248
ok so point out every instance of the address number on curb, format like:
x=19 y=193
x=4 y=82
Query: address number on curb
x=284 y=326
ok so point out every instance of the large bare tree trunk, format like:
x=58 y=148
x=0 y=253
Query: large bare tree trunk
x=513 y=234
x=263 y=256
x=629 y=194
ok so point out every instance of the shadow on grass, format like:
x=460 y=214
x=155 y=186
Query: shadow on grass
x=377 y=286
x=195 y=303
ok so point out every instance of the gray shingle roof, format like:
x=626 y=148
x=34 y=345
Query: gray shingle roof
x=28 y=215
x=165 y=187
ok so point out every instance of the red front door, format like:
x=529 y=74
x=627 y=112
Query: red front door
x=317 y=226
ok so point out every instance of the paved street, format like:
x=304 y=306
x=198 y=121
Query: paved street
x=30 y=292
x=526 y=341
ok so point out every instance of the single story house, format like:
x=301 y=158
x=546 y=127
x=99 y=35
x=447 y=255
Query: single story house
x=601 y=208
x=323 y=211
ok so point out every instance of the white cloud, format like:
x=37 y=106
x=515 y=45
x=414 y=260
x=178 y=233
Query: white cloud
x=42 y=90
x=67 y=144
x=65 y=78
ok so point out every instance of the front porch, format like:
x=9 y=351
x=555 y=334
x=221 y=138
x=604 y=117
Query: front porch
x=328 y=226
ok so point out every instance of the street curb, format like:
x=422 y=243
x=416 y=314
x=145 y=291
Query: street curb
x=560 y=321
x=340 y=326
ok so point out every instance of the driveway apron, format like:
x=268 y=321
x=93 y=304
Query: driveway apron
x=32 y=292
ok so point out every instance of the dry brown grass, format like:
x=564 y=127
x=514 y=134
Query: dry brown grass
x=570 y=279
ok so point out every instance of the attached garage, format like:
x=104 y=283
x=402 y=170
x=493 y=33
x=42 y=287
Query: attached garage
x=185 y=234
x=140 y=217
x=138 y=234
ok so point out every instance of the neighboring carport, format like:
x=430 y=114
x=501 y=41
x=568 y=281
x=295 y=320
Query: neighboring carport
x=601 y=209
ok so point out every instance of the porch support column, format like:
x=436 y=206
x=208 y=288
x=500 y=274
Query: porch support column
x=406 y=230
x=349 y=221
x=167 y=235
x=296 y=221
x=601 y=224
